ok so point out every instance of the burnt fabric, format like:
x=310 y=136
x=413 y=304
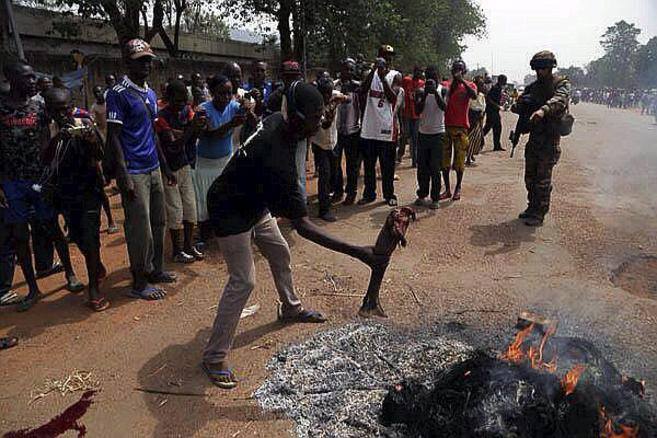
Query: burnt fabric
x=487 y=397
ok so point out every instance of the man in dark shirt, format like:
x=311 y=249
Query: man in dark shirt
x=178 y=128
x=23 y=135
x=493 y=106
x=260 y=182
x=74 y=154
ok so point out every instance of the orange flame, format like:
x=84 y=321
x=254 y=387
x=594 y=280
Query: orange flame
x=514 y=353
x=609 y=431
x=569 y=381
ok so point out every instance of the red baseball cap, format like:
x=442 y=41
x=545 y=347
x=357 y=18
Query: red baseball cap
x=138 y=48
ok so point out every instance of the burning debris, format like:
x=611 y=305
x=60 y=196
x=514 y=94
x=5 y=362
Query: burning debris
x=369 y=380
x=521 y=394
x=333 y=384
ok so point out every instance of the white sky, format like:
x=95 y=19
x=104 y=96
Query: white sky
x=516 y=29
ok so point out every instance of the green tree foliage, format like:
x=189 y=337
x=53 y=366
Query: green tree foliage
x=144 y=19
x=422 y=31
x=646 y=64
x=625 y=64
x=577 y=75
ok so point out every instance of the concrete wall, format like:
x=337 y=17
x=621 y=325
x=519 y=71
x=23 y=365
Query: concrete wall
x=49 y=51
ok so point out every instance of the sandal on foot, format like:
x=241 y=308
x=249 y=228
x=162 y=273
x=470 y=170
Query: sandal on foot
x=99 y=304
x=303 y=317
x=8 y=342
x=457 y=196
x=224 y=379
x=445 y=195
x=8 y=298
x=150 y=293
x=113 y=229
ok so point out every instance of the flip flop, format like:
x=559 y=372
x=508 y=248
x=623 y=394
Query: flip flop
x=8 y=342
x=99 y=304
x=9 y=298
x=150 y=293
x=303 y=317
x=224 y=379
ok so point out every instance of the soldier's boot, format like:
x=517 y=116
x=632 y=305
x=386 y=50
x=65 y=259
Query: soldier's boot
x=531 y=203
x=534 y=221
x=529 y=212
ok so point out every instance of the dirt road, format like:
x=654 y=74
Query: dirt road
x=471 y=262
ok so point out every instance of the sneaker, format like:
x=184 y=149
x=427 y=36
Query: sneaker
x=56 y=268
x=349 y=200
x=194 y=252
x=435 y=205
x=183 y=257
x=337 y=198
x=328 y=217
x=420 y=202
x=392 y=202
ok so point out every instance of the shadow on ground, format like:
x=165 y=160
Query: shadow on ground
x=502 y=238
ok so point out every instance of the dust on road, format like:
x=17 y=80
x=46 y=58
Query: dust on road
x=471 y=263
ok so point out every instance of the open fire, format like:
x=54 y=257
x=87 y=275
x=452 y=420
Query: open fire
x=539 y=386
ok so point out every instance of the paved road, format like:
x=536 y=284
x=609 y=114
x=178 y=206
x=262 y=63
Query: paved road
x=471 y=262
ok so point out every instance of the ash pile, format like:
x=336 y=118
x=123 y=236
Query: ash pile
x=334 y=384
x=541 y=386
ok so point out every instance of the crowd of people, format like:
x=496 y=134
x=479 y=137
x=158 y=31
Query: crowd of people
x=219 y=158
x=646 y=100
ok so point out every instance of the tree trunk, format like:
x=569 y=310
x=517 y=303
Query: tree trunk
x=284 y=13
x=298 y=30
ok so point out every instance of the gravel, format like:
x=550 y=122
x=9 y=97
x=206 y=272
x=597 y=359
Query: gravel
x=332 y=385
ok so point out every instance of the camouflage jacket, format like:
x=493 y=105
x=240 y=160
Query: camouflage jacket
x=554 y=96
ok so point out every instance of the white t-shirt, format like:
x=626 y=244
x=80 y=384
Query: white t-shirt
x=328 y=138
x=432 y=119
x=378 y=120
x=249 y=104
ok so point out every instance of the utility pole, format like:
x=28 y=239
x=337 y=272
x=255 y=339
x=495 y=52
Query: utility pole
x=14 y=30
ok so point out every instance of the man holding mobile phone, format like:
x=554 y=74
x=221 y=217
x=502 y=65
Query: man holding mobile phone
x=178 y=128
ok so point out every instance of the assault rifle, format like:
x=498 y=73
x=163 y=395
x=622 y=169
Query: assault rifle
x=524 y=107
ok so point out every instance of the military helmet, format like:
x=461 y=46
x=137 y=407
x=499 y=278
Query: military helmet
x=543 y=59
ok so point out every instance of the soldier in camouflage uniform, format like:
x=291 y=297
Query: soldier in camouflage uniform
x=542 y=151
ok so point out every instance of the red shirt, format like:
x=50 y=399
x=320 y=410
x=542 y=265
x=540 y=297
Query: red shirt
x=410 y=85
x=458 y=104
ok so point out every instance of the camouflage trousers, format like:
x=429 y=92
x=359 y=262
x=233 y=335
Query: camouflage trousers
x=541 y=155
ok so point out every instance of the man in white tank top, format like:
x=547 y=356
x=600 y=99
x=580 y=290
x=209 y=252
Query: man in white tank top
x=430 y=105
x=378 y=129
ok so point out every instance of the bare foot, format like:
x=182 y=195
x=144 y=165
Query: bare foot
x=369 y=310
